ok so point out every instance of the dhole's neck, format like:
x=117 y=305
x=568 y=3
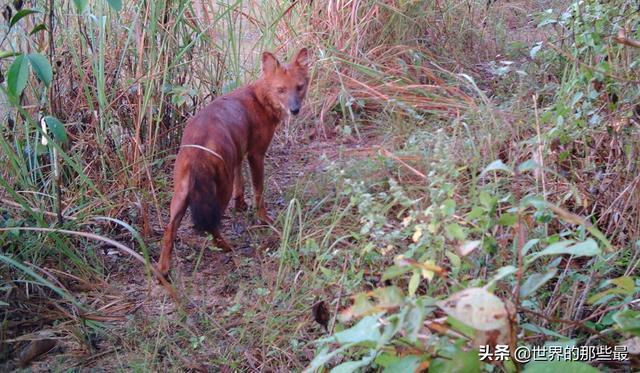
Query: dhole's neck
x=272 y=109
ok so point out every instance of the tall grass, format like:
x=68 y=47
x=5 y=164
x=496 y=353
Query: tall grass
x=419 y=77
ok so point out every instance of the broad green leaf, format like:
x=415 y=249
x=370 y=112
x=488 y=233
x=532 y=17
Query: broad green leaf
x=454 y=232
x=17 y=76
x=527 y=246
x=351 y=366
x=625 y=283
x=528 y=165
x=394 y=271
x=461 y=361
x=407 y=364
x=535 y=281
x=585 y=248
x=507 y=219
x=21 y=14
x=628 y=321
x=390 y=296
x=41 y=67
x=487 y=200
x=414 y=282
x=448 y=207
x=502 y=273
x=559 y=366
x=366 y=330
x=453 y=259
x=540 y=330
x=605 y=296
x=115 y=4
x=497 y=165
x=57 y=128
x=385 y=359
x=461 y=327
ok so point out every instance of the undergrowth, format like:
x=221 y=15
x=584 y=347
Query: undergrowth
x=478 y=185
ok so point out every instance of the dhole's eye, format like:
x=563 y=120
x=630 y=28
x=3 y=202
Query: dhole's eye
x=281 y=89
x=300 y=87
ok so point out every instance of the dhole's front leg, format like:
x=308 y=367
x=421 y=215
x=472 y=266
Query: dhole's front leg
x=238 y=190
x=256 y=163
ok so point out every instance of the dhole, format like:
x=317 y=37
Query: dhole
x=208 y=168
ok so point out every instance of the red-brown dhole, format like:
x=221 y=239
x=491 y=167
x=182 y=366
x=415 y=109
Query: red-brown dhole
x=208 y=168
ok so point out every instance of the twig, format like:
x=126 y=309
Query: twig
x=395 y=158
x=622 y=38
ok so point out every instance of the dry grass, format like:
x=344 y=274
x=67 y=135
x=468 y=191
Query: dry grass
x=389 y=68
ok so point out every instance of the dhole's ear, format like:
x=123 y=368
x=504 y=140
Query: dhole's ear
x=302 y=58
x=269 y=63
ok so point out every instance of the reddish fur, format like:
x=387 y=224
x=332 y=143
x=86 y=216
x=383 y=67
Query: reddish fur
x=238 y=124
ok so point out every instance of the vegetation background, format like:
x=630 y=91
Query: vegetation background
x=464 y=173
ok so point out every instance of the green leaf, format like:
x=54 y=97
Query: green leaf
x=502 y=273
x=528 y=165
x=57 y=128
x=351 y=366
x=628 y=321
x=487 y=201
x=414 y=283
x=366 y=330
x=461 y=361
x=407 y=364
x=115 y=4
x=394 y=271
x=454 y=232
x=625 y=283
x=21 y=14
x=81 y=5
x=527 y=246
x=41 y=67
x=535 y=281
x=559 y=366
x=5 y=54
x=37 y=28
x=448 y=207
x=17 y=76
x=540 y=330
x=585 y=248
x=497 y=165
x=507 y=219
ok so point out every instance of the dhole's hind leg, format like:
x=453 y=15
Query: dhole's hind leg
x=238 y=190
x=178 y=207
x=224 y=193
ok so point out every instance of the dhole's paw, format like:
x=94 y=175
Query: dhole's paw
x=263 y=217
x=240 y=205
x=164 y=274
x=223 y=245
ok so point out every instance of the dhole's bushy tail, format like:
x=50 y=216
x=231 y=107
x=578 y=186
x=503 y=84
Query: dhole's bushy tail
x=203 y=202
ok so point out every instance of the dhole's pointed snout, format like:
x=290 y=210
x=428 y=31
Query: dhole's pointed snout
x=295 y=111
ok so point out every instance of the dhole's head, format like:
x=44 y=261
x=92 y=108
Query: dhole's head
x=286 y=84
